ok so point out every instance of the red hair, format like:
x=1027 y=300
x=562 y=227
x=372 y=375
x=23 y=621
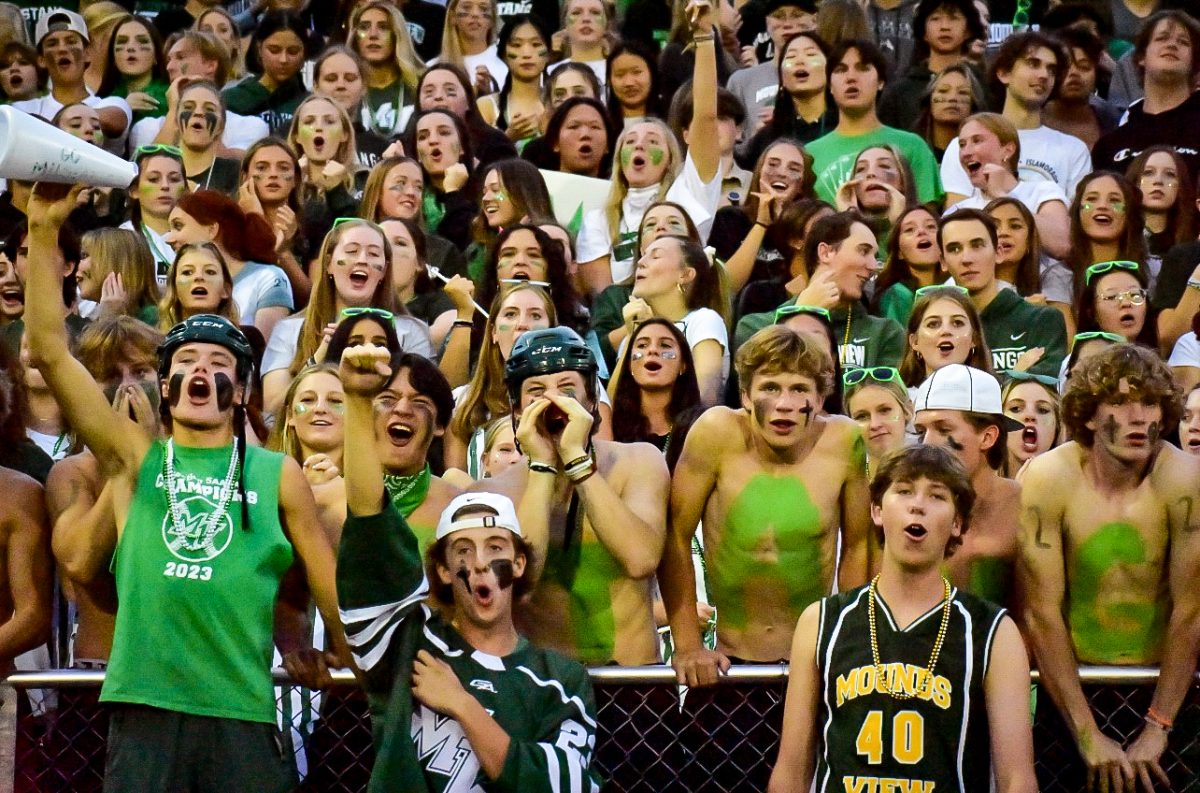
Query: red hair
x=243 y=235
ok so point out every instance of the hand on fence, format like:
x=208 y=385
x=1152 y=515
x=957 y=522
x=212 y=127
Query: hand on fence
x=1145 y=754
x=699 y=668
x=309 y=667
x=1109 y=770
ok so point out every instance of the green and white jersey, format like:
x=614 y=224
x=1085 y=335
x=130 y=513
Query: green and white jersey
x=935 y=742
x=542 y=700
x=194 y=630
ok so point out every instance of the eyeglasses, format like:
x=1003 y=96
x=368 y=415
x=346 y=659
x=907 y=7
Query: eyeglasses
x=1104 y=267
x=783 y=312
x=880 y=374
x=368 y=311
x=1135 y=296
x=1092 y=335
x=925 y=290
x=158 y=148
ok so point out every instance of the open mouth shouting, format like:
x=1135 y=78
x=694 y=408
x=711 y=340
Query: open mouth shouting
x=1127 y=320
x=946 y=348
x=1029 y=438
x=1192 y=441
x=359 y=277
x=782 y=426
x=915 y=532
x=973 y=166
x=925 y=244
x=1103 y=218
x=199 y=390
x=12 y=297
x=199 y=293
x=637 y=161
x=652 y=366
x=400 y=433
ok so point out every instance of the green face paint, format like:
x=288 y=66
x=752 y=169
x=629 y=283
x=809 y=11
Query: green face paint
x=770 y=549
x=306 y=132
x=1108 y=624
x=300 y=408
x=586 y=571
x=626 y=156
x=657 y=155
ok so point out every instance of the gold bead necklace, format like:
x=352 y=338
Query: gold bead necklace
x=880 y=673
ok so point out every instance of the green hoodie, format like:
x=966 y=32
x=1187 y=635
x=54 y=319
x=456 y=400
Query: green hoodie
x=869 y=341
x=1012 y=325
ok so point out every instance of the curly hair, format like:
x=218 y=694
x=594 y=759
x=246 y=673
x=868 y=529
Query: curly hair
x=778 y=348
x=1110 y=377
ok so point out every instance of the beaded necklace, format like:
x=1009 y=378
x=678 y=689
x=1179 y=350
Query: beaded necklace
x=880 y=673
x=224 y=494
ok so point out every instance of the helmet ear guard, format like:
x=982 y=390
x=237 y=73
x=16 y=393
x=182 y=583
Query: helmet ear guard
x=547 y=351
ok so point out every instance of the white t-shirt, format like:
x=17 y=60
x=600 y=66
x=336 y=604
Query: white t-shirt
x=1186 y=351
x=258 y=286
x=47 y=107
x=1046 y=154
x=699 y=325
x=495 y=66
x=700 y=200
x=163 y=254
x=241 y=132
x=1032 y=194
x=55 y=446
x=281 y=349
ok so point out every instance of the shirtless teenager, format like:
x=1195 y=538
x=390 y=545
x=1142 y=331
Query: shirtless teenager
x=773 y=483
x=594 y=510
x=205 y=528
x=959 y=407
x=1110 y=544
x=26 y=573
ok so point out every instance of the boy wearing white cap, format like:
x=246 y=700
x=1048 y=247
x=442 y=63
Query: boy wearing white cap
x=62 y=39
x=959 y=407
x=464 y=704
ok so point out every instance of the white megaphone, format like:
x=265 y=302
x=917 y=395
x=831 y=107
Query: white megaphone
x=34 y=151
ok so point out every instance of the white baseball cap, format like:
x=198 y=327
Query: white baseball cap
x=60 y=19
x=961 y=387
x=505 y=517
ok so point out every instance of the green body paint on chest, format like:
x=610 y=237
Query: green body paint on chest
x=1104 y=629
x=586 y=571
x=770 y=549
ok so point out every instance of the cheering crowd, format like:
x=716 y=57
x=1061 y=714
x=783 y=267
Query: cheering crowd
x=469 y=346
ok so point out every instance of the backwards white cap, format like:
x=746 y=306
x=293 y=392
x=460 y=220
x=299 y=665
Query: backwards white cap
x=505 y=517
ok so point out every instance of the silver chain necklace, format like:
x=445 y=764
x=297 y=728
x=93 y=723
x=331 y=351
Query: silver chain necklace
x=226 y=492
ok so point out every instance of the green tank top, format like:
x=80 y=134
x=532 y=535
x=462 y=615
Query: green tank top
x=194 y=626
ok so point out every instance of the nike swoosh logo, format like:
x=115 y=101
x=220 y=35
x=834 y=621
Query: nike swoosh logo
x=1018 y=336
x=860 y=341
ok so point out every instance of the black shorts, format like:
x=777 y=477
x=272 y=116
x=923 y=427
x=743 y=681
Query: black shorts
x=155 y=749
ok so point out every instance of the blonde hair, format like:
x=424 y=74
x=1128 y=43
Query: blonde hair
x=322 y=303
x=620 y=185
x=347 y=153
x=282 y=438
x=407 y=60
x=123 y=252
x=452 y=50
x=170 y=309
x=1004 y=130
x=486 y=396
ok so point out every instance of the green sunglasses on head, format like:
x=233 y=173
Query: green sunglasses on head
x=880 y=374
x=1097 y=334
x=158 y=148
x=1104 y=267
x=368 y=311
x=783 y=312
x=927 y=289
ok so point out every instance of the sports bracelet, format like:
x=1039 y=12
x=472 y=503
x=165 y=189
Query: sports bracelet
x=1193 y=283
x=702 y=37
x=462 y=323
x=580 y=473
x=542 y=468
x=1155 y=718
x=576 y=462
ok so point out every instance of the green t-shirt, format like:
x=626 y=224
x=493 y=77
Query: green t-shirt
x=196 y=616
x=834 y=155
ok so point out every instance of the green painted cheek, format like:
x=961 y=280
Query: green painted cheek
x=306 y=132
x=626 y=157
x=1104 y=630
x=657 y=155
x=299 y=409
x=770 y=550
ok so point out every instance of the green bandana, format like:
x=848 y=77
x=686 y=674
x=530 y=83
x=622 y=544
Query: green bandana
x=433 y=210
x=408 y=492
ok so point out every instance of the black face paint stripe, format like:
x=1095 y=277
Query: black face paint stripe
x=175 y=389
x=503 y=570
x=224 y=391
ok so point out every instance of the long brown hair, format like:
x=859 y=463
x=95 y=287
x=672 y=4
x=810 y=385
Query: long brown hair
x=1132 y=243
x=912 y=368
x=123 y=252
x=1029 y=269
x=1181 y=218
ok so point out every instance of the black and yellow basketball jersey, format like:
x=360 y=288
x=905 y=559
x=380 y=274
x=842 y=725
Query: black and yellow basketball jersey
x=936 y=742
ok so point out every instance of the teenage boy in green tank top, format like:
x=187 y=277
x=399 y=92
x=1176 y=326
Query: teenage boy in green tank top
x=206 y=528
x=1109 y=554
x=594 y=510
x=908 y=683
x=774 y=482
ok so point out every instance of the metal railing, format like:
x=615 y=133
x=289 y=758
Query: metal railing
x=721 y=739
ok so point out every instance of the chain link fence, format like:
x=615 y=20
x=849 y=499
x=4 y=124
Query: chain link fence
x=723 y=739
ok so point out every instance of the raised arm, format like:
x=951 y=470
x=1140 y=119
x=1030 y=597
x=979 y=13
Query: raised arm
x=694 y=480
x=29 y=569
x=1054 y=228
x=116 y=440
x=1041 y=570
x=794 y=767
x=1006 y=689
x=704 y=145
